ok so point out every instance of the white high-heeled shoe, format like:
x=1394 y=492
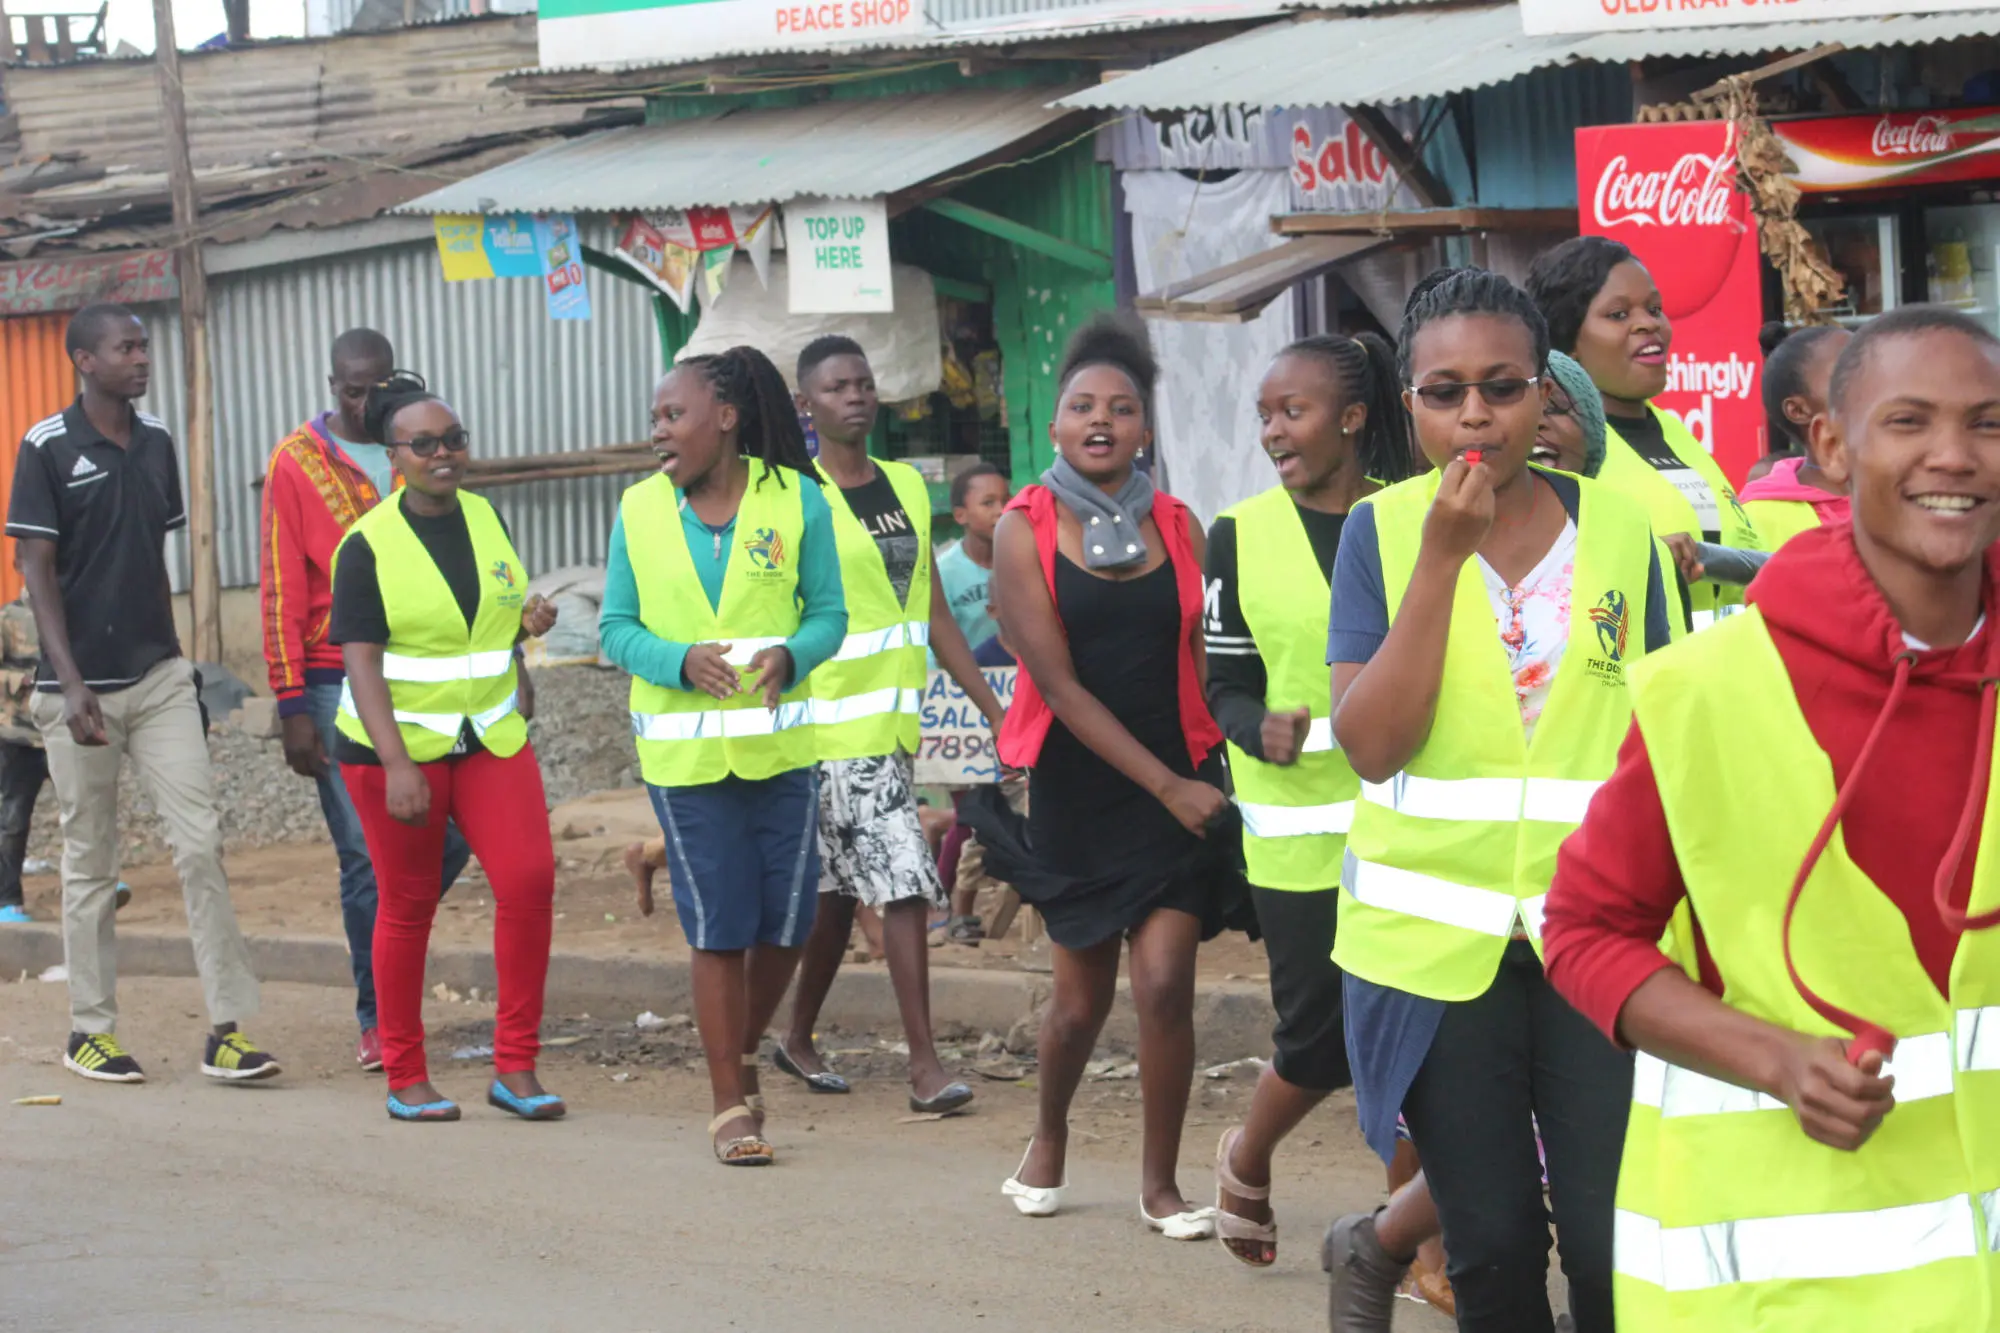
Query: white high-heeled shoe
x=1033 y=1200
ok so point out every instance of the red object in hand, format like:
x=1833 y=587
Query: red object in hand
x=1472 y=456
x=1868 y=1039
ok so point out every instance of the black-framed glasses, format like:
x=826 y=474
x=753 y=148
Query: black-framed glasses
x=424 y=446
x=1503 y=392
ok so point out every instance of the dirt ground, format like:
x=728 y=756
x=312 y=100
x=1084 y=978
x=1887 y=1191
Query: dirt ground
x=292 y=889
x=298 y=1205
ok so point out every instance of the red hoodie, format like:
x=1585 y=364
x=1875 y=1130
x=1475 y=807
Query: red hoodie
x=1617 y=882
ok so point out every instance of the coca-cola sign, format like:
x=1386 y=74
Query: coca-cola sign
x=1892 y=150
x=1668 y=192
x=1693 y=192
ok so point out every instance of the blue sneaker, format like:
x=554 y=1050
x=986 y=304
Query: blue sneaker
x=13 y=915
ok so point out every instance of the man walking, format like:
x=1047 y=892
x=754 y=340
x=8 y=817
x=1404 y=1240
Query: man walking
x=323 y=477
x=96 y=490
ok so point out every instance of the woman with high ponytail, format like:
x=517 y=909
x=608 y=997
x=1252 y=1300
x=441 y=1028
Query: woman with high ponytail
x=1334 y=428
x=1097 y=586
x=722 y=593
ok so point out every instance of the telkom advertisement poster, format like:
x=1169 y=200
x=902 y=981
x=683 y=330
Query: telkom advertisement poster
x=1669 y=193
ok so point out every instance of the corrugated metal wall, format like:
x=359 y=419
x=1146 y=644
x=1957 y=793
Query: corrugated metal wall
x=524 y=383
x=35 y=380
x=1525 y=135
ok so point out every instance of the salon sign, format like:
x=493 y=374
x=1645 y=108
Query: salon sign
x=957 y=749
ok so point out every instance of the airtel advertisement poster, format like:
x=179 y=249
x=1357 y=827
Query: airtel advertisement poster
x=1669 y=193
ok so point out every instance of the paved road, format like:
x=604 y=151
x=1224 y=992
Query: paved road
x=182 y=1205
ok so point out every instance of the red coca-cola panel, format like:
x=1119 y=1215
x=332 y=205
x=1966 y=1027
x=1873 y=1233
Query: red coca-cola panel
x=1892 y=149
x=1669 y=193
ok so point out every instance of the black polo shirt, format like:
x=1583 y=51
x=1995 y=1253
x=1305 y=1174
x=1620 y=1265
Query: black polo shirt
x=108 y=510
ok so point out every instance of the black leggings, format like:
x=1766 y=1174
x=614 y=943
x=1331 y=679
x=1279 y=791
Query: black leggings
x=1516 y=1050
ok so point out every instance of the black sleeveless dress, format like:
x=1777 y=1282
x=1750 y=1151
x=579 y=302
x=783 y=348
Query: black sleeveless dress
x=1113 y=854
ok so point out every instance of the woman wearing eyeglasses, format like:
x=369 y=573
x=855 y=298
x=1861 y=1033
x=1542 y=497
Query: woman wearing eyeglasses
x=1604 y=309
x=1482 y=619
x=430 y=600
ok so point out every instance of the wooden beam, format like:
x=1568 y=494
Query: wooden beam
x=205 y=591
x=1410 y=169
x=1093 y=262
x=1430 y=221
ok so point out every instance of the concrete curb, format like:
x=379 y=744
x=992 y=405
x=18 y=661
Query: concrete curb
x=1232 y=1019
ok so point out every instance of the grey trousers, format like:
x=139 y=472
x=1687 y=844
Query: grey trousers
x=157 y=724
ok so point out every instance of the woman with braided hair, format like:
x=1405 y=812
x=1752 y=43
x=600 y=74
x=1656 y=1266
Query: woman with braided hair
x=1334 y=429
x=430 y=600
x=722 y=593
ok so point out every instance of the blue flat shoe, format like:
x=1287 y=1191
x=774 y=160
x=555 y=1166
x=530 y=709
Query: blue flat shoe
x=547 y=1106
x=825 y=1081
x=11 y=915
x=438 y=1110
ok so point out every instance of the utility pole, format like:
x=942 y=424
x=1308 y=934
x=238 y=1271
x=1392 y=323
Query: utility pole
x=205 y=590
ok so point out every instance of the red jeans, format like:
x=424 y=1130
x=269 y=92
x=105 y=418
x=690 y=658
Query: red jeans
x=499 y=806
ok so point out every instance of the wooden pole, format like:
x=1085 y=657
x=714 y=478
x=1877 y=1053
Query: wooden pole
x=205 y=590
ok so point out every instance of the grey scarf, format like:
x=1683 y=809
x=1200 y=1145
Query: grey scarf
x=1112 y=536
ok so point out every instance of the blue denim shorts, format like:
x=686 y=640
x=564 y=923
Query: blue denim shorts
x=744 y=859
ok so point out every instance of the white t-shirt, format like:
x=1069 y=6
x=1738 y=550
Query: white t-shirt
x=1533 y=616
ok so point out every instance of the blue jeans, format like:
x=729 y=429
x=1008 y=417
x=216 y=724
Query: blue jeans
x=357 y=873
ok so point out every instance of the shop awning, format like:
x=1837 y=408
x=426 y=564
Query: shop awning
x=850 y=150
x=1401 y=54
x=1237 y=293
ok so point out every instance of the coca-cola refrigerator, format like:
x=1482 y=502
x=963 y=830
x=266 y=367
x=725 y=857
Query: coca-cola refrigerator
x=1903 y=206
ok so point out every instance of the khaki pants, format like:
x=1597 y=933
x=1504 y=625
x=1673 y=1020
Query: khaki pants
x=157 y=724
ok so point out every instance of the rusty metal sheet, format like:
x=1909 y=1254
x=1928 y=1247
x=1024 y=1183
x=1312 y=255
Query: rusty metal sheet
x=37 y=286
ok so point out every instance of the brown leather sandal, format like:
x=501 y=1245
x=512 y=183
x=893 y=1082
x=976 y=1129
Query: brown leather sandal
x=1229 y=1226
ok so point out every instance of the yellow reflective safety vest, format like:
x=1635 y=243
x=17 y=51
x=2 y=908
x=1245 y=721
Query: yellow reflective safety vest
x=1453 y=855
x=1670 y=509
x=444 y=675
x=1778 y=521
x=688 y=738
x=1729 y=1217
x=866 y=697
x=1295 y=819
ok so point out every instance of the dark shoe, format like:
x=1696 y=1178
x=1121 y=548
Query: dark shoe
x=546 y=1106
x=237 y=1059
x=1361 y=1294
x=99 y=1056
x=824 y=1081
x=949 y=1098
x=965 y=930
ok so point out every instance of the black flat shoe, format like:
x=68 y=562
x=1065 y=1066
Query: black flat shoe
x=949 y=1098
x=824 y=1081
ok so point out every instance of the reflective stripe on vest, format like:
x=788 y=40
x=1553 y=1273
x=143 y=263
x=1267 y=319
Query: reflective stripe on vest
x=1922 y=1066
x=1809 y=1247
x=725 y=724
x=1978 y=1039
x=1553 y=800
x=1296 y=821
x=444 y=724
x=1452 y=856
x=1483 y=911
x=441 y=670
x=1296 y=816
x=886 y=650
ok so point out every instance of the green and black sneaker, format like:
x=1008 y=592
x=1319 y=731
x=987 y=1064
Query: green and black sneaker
x=237 y=1059
x=98 y=1055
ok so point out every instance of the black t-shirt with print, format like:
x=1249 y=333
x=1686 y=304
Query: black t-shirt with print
x=1236 y=675
x=883 y=518
x=1649 y=441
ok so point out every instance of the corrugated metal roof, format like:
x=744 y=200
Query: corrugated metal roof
x=847 y=149
x=1379 y=59
x=965 y=25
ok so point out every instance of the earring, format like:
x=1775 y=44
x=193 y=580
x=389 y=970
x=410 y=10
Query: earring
x=1140 y=455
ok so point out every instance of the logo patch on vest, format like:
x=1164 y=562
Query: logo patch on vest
x=766 y=549
x=503 y=574
x=1612 y=619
